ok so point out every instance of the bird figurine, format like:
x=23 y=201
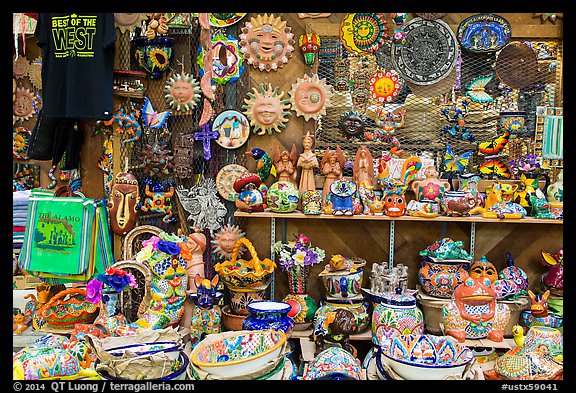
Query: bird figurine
x=518 y=334
x=264 y=164
x=410 y=169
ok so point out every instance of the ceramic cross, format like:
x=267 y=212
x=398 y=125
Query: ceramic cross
x=205 y=135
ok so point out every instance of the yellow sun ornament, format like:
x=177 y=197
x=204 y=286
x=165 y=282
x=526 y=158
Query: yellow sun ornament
x=182 y=92
x=266 y=42
x=310 y=96
x=266 y=109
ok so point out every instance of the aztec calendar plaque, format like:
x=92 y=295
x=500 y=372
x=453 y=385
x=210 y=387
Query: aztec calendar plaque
x=430 y=52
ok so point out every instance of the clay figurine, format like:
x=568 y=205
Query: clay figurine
x=538 y=315
x=352 y=125
x=395 y=202
x=332 y=166
x=285 y=164
x=225 y=239
x=158 y=199
x=206 y=316
x=335 y=326
x=494 y=207
x=363 y=167
x=250 y=198
x=431 y=187
x=308 y=162
x=483 y=268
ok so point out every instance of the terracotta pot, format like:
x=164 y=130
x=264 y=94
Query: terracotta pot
x=230 y=320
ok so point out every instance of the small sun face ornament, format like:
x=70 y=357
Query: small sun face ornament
x=128 y=21
x=182 y=92
x=227 y=60
x=266 y=109
x=352 y=125
x=385 y=86
x=35 y=73
x=266 y=42
x=309 y=96
x=20 y=141
x=23 y=108
x=363 y=33
x=20 y=67
x=156 y=159
x=309 y=44
x=225 y=239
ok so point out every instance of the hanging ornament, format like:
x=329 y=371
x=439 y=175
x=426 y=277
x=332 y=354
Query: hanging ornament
x=20 y=67
x=225 y=239
x=310 y=96
x=363 y=33
x=352 y=124
x=457 y=126
x=266 y=42
x=23 y=107
x=125 y=120
x=182 y=92
x=225 y=180
x=156 y=159
x=159 y=199
x=35 y=73
x=227 y=60
x=183 y=152
x=128 y=21
x=266 y=109
x=122 y=203
x=455 y=162
x=476 y=89
x=309 y=44
x=385 y=86
x=206 y=134
x=202 y=203
x=233 y=127
x=20 y=142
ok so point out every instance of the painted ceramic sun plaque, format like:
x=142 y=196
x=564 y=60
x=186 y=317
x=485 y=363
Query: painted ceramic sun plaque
x=484 y=33
x=310 y=96
x=223 y=19
x=226 y=59
x=233 y=127
x=363 y=33
x=266 y=42
x=385 y=86
x=182 y=92
x=128 y=21
x=430 y=52
x=266 y=109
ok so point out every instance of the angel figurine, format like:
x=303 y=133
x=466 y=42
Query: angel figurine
x=285 y=164
x=332 y=166
x=307 y=161
x=364 y=167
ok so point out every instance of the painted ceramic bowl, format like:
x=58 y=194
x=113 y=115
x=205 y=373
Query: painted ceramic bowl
x=170 y=348
x=440 y=278
x=283 y=197
x=544 y=339
x=177 y=374
x=334 y=363
x=423 y=356
x=239 y=353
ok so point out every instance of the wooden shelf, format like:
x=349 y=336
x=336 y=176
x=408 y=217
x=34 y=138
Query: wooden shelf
x=297 y=215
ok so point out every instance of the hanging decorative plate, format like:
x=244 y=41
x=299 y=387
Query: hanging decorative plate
x=516 y=65
x=385 y=86
x=225 y=180
x=178 y=20
x=266 y=42
x=233 y=127
x=128 y=21
x=430 y=52
x=310 y=96
x=363 y=33
x=23 y=108
x=266 y=109
x=20 y=67
x=223 y=19
x=35 y=73
x=182 y=92
x=20 y=141
x=484 y=33
x=431 y=15
x=226 y=59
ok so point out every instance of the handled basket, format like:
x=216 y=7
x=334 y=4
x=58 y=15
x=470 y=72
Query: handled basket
x=239 y=273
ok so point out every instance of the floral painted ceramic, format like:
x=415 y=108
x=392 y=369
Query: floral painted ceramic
x=505 y=289
x=441 y=277
x=457 y=203
x=359 y=307
x=303 y=308
x=241 y=298
x=333 y=363
x=447 y=248
x=474 y=313
x=207 y=315
x=483 y=268
x=343 y=284
x=538 y=314
x=430 y=188
x=154 y=56
x=250 y=198
x=283 y=197
x=269 y=314
x=397 y=314
x=521 y=363
x=423 y=208
x=312 y=202
x=341 y=197
x=514 y=273
x=544 y=339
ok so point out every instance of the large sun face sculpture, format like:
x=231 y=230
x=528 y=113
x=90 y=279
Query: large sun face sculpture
x=225 y=239
x=266 y=110
x=182 y=92
x=266 y=42
x=310 y=96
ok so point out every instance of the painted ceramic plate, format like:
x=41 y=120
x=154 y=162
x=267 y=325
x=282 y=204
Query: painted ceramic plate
x=363 y=32
x=430 y=52
x=223 y=19
x=484 y=33
x=234 y=129
x=225 y=180
x=385 y=86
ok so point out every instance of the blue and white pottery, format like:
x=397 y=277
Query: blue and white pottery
x=334 y=363
x=268 y=314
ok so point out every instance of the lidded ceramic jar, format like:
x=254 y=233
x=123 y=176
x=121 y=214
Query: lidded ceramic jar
x=397 y=314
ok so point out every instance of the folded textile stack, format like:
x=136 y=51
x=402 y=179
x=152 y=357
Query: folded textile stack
x=19 y=208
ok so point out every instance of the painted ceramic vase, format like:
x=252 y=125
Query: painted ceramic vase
x=514 y=273
x=431 y=187
x=468 y=182
x=283 y=197
x=312 y=202
x=555 y=191
x=268 y=314
x=110 y=316
x=441 y=277
x=359 y=307
x=397 y=314
x=241 y=297
x=557 y=210
x=154 y=56
x=341 y=197
x=457 y=203
x=303 y=307
x=342 y=284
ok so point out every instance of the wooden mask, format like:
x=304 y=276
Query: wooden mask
x=124 y=196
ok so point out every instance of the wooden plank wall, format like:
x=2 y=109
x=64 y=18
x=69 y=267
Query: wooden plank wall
x=370 y=239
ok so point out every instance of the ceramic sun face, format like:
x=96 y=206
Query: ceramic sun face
x=363 y=33
x=385 y=86
x=266 y=42
x=225 y=239
x=128 y=21
x=23 y=108
x=182 y=92
x=310 y=96
x=266 y=109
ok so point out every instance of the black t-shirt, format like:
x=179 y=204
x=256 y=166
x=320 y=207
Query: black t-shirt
x=77 y=64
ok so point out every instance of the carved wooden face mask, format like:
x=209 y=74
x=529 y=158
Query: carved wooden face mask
x=124 y=197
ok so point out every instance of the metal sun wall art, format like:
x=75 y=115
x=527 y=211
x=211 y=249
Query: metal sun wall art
x=203 y=205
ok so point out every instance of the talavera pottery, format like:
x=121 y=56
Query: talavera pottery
x=239 y=353
x=67 y=308
x=333 y=363
x=143 y=349
x=457 y=203
x=303 y=308
x=268 y=314
x=283 y=197
x=358 y=307
x=423 y=356
x=177 y=374
x=424 y=208
x=312 y=202
x=555 y=191
x=154 y=56
x=524 y=364
x=514 y=273
x=544 y=339
x=441 y=277
x=513 y=122
x=396 y=315
x=225 y=180
x=343 y=284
